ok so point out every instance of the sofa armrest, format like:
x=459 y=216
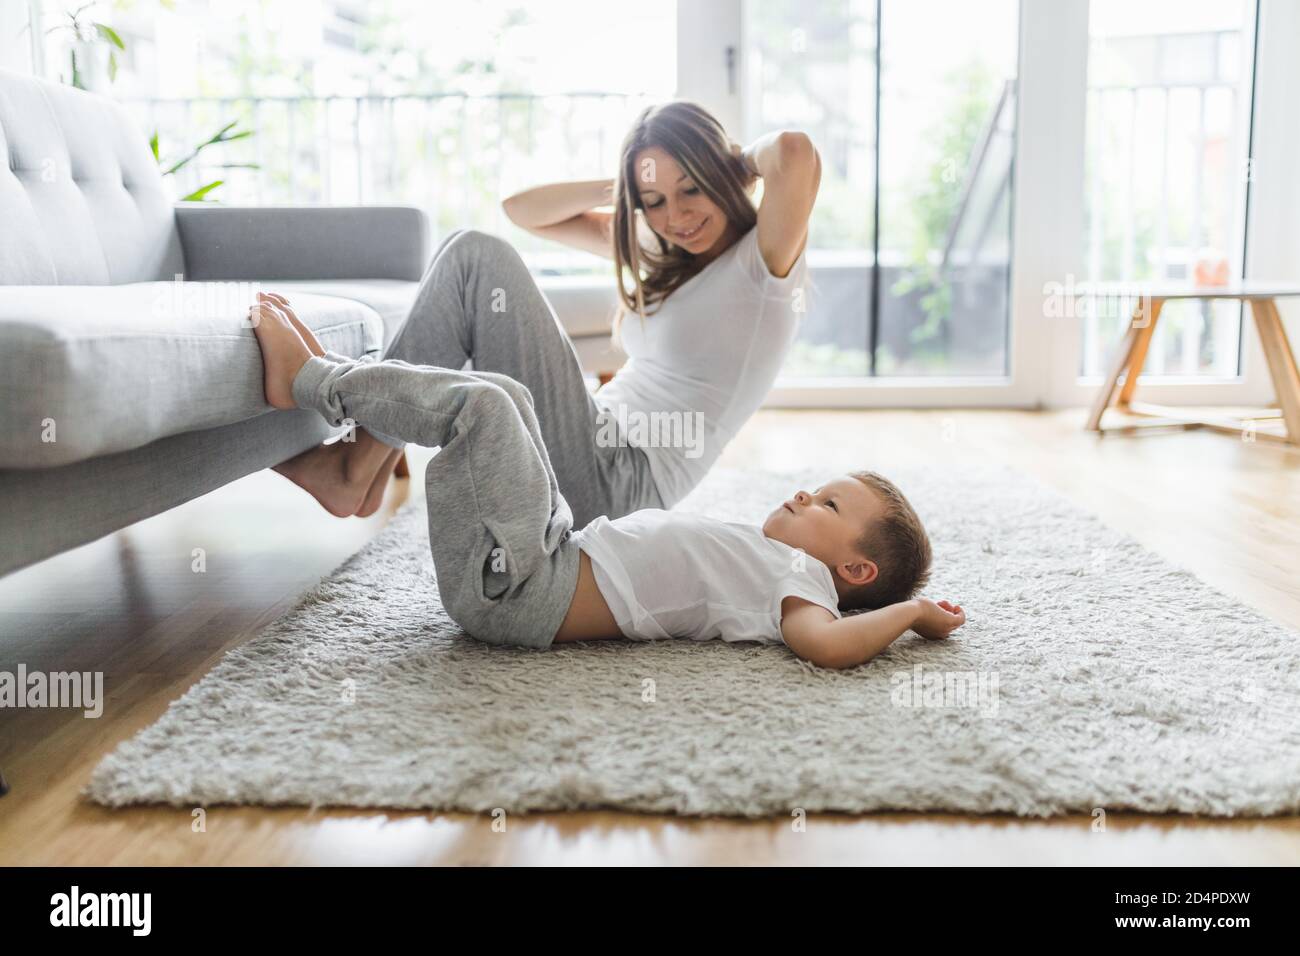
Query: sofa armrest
x=303 y=242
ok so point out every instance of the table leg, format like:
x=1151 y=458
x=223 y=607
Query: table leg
x=1139 y=356
x=1281 y=363
x=1137 y=329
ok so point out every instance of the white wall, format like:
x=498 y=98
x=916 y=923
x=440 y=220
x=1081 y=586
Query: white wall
x=1273 y=223
x=1273 y=248
x=704 y=31
x=15 y=39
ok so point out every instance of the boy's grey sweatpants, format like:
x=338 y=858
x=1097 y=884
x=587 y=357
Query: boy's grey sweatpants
x=478 y=304
x=499 y=528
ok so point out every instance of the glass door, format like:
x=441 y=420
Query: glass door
x=910 y=243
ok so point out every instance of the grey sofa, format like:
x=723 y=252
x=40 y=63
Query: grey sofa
x=125 y=392
x=130 y=381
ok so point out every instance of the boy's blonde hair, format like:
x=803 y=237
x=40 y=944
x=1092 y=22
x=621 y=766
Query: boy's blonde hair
x=897 y=542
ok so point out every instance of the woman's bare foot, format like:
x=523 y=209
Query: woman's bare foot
x=284 y=353
x=342 y=475
x=307 y=334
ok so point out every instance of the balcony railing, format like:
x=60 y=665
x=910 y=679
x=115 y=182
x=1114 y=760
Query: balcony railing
x=1172 y=151
x=453 y=154
x=456 y=155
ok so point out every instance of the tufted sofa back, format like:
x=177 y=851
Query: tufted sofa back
x=81 y=199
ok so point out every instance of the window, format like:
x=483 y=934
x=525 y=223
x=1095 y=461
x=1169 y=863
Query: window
x=912 y=280
x=392 y=101
x=947 y=124
x=1169 y=97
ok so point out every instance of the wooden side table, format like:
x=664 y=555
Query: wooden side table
x=1137 y=340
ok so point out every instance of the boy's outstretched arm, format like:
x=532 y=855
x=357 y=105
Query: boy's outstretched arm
x=816 y=635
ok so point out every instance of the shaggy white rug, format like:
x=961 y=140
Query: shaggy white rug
x=1091 y=674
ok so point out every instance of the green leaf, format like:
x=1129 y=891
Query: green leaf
x=153 y=145
x=198 y=194
x=109 y=34
x=216 y=137
x=112 y=65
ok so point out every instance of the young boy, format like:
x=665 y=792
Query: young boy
x=512 y=570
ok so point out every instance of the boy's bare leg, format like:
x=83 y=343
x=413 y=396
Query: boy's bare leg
x=345 y=477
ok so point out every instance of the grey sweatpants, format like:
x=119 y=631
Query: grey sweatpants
x=478 y=304
x=499 y=528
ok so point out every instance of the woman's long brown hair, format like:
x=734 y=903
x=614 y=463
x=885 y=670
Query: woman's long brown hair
x=697 y=142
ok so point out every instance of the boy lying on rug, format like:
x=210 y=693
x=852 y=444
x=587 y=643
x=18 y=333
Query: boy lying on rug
x=512 y=570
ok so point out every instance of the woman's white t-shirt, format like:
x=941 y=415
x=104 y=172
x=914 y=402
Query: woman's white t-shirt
x=671 y=574
x=702 y=364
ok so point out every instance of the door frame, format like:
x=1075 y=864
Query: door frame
x=1048 y=209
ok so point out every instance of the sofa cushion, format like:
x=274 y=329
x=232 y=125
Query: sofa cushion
x=81 y=199
x=91 y=370
x=585 y=304
x=390 y=298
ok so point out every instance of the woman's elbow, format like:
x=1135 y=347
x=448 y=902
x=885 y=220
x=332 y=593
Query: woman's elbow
x=508 y=206
x=797 y=149
x=798 y=159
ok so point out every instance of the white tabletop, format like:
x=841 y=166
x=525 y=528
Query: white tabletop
x=1252 y=289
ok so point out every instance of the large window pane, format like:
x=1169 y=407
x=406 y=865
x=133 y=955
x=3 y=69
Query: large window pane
x=1168 y=126
x=947 y=127
x=947 y=108
x=812 y=67
x=395 y=101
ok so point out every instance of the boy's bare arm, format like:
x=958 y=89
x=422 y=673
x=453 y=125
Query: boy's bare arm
x=816 y=635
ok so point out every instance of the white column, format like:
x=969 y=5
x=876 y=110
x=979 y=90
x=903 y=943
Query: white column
x=1273 y=247
x=1273 y=223
x=16 y=48
x=705 y=31
x=1047 y=232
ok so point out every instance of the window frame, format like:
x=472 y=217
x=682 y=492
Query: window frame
x=1047 y=211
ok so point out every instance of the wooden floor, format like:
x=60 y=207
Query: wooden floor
x=131 y=606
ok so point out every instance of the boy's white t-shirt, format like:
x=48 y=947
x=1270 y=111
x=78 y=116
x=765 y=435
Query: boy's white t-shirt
x=670 y=574
x=704 y=362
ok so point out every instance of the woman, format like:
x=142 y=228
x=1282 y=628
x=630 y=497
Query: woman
x=710 y=292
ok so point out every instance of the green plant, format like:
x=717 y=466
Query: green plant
x=223 y=135
x=85 y=30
